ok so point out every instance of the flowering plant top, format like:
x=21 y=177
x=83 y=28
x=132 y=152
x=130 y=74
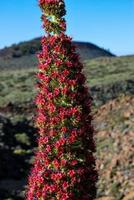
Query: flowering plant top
x=64 y=165
x=53 y=12
x=48 y=1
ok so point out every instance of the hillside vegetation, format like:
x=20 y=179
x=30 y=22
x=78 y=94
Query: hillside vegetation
x=111 y=83
x=107 y=77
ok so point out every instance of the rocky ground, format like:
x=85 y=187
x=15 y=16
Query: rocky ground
x=115 y=149
x=114 y=123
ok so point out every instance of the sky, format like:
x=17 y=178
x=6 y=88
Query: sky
x=106 y=23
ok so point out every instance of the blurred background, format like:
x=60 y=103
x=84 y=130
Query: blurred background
x=103 y=33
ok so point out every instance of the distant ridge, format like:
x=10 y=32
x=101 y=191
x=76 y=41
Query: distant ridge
x=87 y=50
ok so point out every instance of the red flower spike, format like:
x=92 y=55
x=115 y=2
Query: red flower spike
x=64 y=166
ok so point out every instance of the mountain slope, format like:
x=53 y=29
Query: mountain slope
x=23 y=54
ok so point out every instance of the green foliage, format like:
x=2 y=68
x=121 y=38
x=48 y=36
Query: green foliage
x=17 y=86
x=107 y=70
x=22 y=138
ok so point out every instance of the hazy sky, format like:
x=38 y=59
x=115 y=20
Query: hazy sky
x=107 y=23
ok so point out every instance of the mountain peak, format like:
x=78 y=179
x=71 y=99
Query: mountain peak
x=86 y=50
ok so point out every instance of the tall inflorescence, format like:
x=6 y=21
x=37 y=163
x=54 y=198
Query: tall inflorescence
x=64 y=165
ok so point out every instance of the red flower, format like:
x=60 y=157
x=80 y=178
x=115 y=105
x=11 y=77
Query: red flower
x=74 y=162
x=65 y=196
x=65 y=72
x=57 y=176
x=56 y=92
x=72 y=82
x=43 y=140
x=41 y=118
x=56 y=163
x=74 y=110
x=48 y=1
x=50 y=95
x=69 y=64
x=52 y=132
x=43 y=66
x=71 y=139
x=43 y=77
x=63 y=117
x=54 y=74
x=64 y=90
x=65 y=185
x=63 y=162
x=64 y=129
x=40 y=100
x=71 y=173
x=58 y=62
x=48 y=148
x=51 y=107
